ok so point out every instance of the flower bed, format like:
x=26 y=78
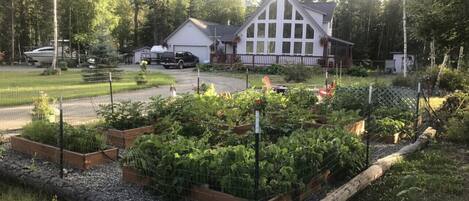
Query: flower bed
x=72 y=159
x=196 y=144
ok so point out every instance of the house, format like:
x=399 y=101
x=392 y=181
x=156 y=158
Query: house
x=396 y=65
x=138 y=54
x=278 y=32
x=201 y=38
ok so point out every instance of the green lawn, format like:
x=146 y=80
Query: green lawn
x=18 y=88
x=10 y=191
x=440 y=172
x=317 y=80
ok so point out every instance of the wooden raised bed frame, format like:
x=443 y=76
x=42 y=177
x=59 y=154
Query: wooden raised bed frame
x=71 y=159
x=201 y=193
x=125 y=139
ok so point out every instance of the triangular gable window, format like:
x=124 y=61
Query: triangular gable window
x=262 y=16
x=288 y=11
x=273 y=10
x=298 y=16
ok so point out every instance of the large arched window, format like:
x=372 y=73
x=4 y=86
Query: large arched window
x=273 y=10
x=309 y=32
x=250 y=31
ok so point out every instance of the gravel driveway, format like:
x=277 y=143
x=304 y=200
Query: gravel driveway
x=84 y=109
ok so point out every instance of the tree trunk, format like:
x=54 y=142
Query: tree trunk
x=461 y=55
x=404 y=20
x=377 y=170
x=443 y=65
x=432 y=54
x=12 y=54
x=54 y=59
x=136 y=11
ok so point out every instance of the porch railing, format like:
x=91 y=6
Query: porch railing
x=261 y=59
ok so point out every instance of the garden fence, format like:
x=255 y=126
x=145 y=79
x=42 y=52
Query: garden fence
x=376 y=104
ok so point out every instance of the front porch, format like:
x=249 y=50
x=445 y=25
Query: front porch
x=337 y=53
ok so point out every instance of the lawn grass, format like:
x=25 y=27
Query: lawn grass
x=440 y=172
x=17 y=88
x=10 y=191
x=318 y=80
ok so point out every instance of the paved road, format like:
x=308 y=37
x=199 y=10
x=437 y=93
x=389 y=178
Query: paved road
x=84 y=109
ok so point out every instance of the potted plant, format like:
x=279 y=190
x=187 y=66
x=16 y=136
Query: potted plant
x=84 y=146
x=125 y=122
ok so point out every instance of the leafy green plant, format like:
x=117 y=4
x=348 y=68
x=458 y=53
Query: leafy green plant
x=124 y=115
x=297 y=73
x=42 y=109
x=302 y=97
x=458 y=128
x=83 y=139
x=386 y=127
x=274 y=69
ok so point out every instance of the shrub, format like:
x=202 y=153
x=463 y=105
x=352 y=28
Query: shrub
x=357 y=71
x=458 y=128
x=452 y=80
x=42 y=109
x=274 y=69
x=83 y=139
x=50 y=71
x=126 y=115
x=63 y=65
x=297 y=73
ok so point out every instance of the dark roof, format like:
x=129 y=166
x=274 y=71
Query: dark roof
x=225 y=33
x=325 y=7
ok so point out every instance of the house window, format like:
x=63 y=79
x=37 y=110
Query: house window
x=250 y=31
x=273 y=11
x=309 y=48
x=288 y=11
x=297 y=46
x=260 y=47
x=286 y=48
x=298 y=16
x=261 y=30
x=309 y=32
x=272 y=47
x=249 y=46
x=287 y=30
x=272 y=30
x=298 y=30
x=262 y=16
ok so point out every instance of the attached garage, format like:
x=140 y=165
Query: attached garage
x=203 y=52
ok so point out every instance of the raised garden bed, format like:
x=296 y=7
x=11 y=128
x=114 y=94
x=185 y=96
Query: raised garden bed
x=125 y=138
x=204 y=193
x=391 y=139
x=72 y=159
x=357 y=128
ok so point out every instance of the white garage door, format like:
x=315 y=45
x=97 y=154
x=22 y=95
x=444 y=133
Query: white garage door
x=199 y=51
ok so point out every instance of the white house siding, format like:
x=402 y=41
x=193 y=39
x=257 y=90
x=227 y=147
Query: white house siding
x=188 y=38
x=279 y=39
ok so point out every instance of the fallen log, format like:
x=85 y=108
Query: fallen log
x=378 y=168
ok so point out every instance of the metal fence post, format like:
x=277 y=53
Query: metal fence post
x=61 y=141
x=257 y=133
x=247 y=77
x=417 y=108
x=110 y=92
x=198 y=80
x=370 y=95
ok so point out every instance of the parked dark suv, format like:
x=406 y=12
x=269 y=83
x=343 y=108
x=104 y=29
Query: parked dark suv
x=178 y=59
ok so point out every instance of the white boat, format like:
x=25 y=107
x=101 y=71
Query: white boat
x=44 y=55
